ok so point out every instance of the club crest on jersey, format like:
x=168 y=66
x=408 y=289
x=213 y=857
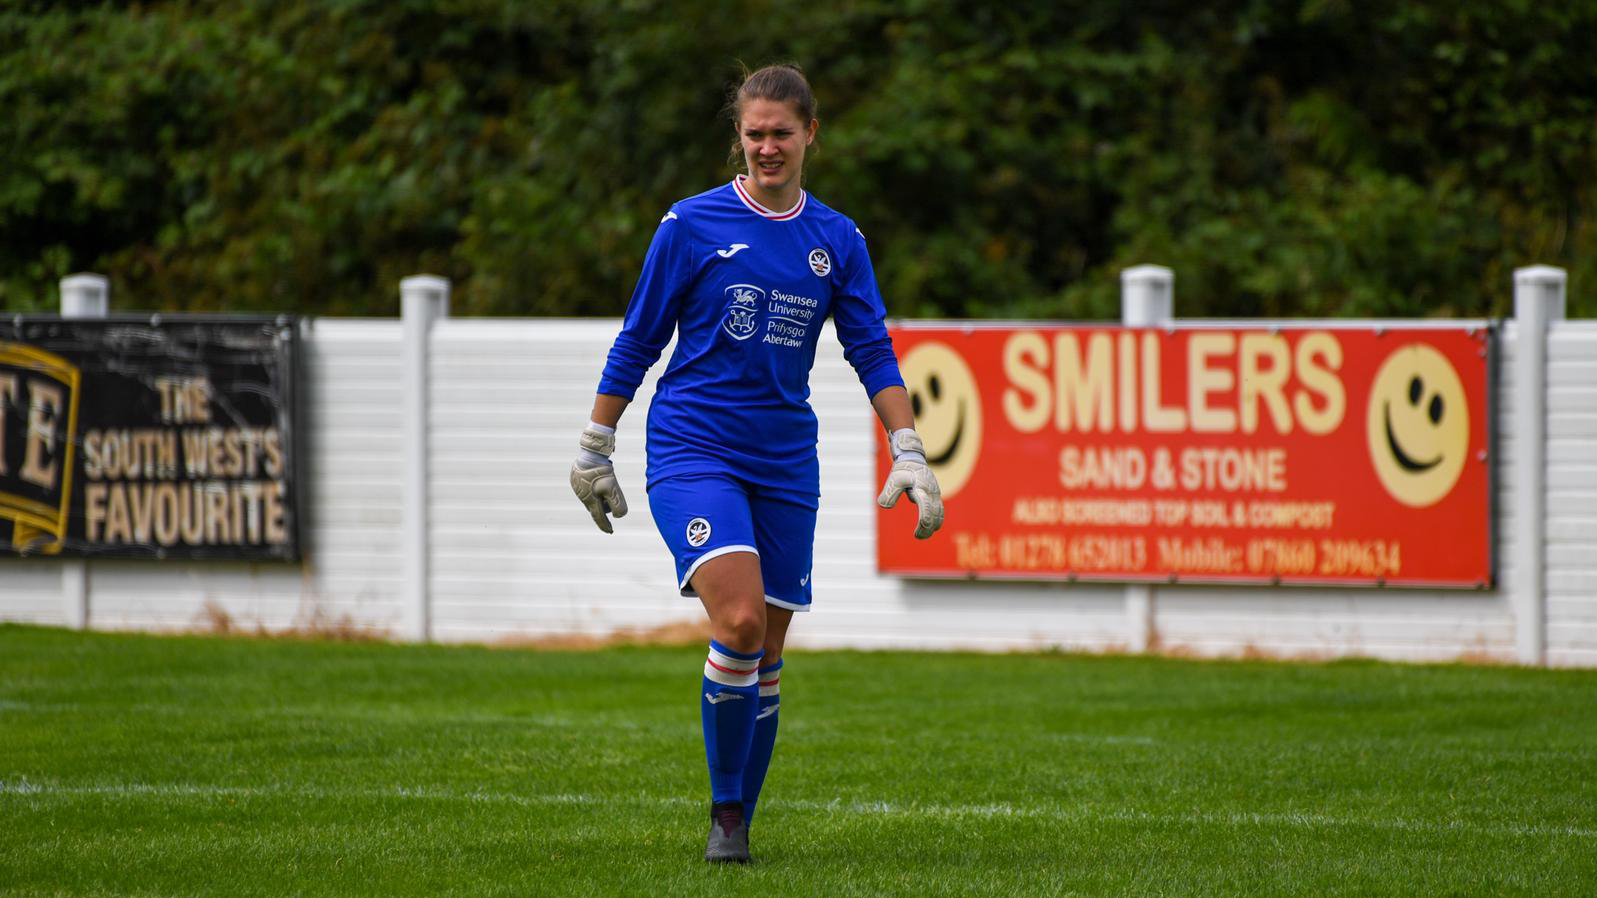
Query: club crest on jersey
x=698 y=532
x=820 y=262
x=743 y=303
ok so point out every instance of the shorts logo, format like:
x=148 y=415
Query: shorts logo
x=743 y=303
x=698 y=532
x=820 y=262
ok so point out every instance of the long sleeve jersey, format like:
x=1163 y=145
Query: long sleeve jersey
x=746 y=289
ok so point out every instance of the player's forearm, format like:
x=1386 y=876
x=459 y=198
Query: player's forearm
x=892 y=406
x=607 y=409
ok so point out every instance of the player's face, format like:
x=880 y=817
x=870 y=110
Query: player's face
x=774 y=138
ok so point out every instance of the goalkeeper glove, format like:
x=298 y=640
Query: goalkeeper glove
x=911 y=474
x=593 y=478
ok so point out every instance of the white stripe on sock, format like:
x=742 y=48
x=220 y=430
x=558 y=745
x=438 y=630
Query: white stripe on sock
x=738 y=664
x=743 y=672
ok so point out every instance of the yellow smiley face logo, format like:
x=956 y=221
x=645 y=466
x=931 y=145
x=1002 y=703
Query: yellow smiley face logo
x=947 y=408
x=1417 y=425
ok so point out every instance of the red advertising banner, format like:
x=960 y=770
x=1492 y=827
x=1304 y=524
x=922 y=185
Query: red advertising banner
x=1270 y=455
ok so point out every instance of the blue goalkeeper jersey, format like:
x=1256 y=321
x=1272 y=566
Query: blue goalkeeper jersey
x=746 y=290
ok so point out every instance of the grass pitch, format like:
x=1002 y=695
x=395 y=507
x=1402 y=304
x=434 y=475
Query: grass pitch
x=136 y=765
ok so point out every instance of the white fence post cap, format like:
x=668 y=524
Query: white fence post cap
x=1539 y=294
x=426 y=295
x=1540 y=274
x=85 y=296
x=424 y=282
x=1142 y=273
x=86 y=282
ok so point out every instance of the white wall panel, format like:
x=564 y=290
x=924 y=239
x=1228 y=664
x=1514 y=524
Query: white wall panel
x=355 y=461
x=1572 y=493
x=149 y=595
x=1397 y=624
x=516 y=555
x=30 y=591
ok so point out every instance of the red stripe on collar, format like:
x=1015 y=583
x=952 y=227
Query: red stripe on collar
x=756 y=208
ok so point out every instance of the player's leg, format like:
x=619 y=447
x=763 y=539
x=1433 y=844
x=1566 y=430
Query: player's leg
x=733 y=595
x=729 y=586
x=784 y=530
x=706 y=522
x=777 y=621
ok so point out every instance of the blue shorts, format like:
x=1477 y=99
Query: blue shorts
x=702 y=516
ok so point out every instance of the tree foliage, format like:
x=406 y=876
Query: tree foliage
x=1286 y=157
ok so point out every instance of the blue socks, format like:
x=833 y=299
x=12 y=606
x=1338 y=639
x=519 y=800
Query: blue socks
x=728 y=706
x=764 y=737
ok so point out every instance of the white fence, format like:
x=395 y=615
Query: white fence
x=444 y=513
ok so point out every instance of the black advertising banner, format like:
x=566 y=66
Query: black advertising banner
x=155 y=437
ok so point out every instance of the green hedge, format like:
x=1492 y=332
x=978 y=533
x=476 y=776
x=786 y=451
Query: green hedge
x=1286 y=158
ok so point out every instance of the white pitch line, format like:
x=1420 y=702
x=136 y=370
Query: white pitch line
x=1102 y=738
x=881 y=808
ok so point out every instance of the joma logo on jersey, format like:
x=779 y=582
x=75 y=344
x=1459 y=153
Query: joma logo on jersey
x=743 y=303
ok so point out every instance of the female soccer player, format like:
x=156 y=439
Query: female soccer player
x=745 y=274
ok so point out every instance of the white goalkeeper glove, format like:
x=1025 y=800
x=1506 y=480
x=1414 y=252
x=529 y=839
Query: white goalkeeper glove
x=593 y=478
x=911 y=474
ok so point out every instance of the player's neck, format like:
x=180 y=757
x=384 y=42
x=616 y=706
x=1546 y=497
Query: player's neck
x=781 y=201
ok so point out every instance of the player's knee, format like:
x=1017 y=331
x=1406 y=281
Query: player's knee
x=745 y=627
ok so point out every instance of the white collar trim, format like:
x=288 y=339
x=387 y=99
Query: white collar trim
x=763 y=212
